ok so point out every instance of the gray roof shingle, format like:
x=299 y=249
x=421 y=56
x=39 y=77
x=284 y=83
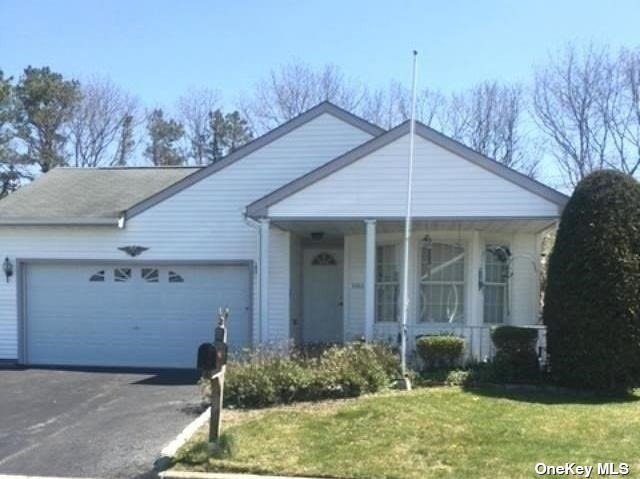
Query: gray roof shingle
x=86 y=195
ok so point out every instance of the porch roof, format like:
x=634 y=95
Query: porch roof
x=337 y=228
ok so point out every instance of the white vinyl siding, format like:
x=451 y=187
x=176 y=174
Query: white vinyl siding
x=445 y=185
x=202 y=222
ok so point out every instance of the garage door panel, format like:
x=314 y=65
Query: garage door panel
x=136 y=315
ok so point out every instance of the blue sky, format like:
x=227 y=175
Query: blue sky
x=159 y=49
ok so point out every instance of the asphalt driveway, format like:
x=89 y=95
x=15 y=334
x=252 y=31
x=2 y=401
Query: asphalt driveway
x=98 y=424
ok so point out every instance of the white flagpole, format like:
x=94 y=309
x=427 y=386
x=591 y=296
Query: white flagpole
x=407 y=223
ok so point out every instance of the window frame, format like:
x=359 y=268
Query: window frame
x=506 y=315
x=397 y=245
x=452 y=241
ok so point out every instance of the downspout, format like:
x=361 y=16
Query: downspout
x=256 y=272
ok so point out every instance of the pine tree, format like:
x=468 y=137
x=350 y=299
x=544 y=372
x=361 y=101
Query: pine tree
x=164 y=135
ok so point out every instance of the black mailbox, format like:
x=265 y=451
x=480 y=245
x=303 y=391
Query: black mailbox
x=207 y=357
x=212 y=357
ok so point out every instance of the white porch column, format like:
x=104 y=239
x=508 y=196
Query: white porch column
x=476 y=296
x=264 y=280
x=370 y=279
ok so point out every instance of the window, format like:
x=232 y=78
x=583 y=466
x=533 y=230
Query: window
x=150 y=275
x=496 y=284
x=97 y=277
x=387 y=283
x=324 y=259
x=121 y=275
x=442 y=283
x=175 y=277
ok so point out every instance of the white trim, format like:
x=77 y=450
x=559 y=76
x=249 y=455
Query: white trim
x=370 y=279
x=397 y=244
x=264 y=279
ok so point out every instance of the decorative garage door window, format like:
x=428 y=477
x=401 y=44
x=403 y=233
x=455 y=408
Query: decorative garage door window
x=442 y=283
x=97 y=277
x=121 y=275
x=324 y=259
x=175 y=277
x=150 y=275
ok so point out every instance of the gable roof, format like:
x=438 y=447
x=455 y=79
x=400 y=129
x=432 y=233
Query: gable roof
x=260 y=207
x=86 y=196
x=101 y=196
x=264 y=140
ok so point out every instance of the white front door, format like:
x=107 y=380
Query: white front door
x=322 y=297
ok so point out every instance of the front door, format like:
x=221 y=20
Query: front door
x=322 y=295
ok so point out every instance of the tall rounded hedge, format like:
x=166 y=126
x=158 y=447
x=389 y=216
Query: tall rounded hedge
x=592 y=299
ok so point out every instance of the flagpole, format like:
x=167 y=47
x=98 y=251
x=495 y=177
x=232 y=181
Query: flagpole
x=407 y=223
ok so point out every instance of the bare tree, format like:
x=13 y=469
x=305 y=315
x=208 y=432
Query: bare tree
x=97 y=122
x=567 y=102
x=294 y=88
x=620 y=107
x=126 y=142
x=391 y=106
x=194 y=111
x=488 y=118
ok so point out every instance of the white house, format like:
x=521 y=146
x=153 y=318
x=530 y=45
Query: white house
x=298 y=232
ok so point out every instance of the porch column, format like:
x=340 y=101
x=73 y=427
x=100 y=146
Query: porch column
x=370 y=279
x=475 y=296
x=264 y=280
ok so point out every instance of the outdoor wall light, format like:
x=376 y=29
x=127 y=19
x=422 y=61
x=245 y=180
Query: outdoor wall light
x=7 y=267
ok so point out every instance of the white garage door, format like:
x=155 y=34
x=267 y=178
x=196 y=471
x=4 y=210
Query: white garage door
x=130 y=315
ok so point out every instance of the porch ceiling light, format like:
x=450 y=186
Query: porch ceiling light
x=317 y=235
x=7 y=267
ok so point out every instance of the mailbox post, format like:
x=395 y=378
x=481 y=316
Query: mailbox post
x=212 y=360
x=217 y=380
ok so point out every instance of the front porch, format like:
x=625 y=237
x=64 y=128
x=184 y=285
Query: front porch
x=466 y=276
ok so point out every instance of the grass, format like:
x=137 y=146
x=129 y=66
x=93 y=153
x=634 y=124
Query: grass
x=427 y=433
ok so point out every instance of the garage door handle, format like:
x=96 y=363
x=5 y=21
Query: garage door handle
x=136 y=328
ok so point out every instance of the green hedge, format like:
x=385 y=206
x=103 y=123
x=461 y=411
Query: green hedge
x=516 y=360
x=440 y=351
x=263 y=378
x=592 y=297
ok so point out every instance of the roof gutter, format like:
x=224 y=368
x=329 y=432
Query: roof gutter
x=59 y=222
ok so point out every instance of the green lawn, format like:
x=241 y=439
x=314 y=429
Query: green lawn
x=428 y=433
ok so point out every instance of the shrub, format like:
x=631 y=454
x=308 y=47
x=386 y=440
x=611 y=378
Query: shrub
x=441 y=351
x=515 y=359
x=352 y=370
x=592 y=297
x=263 y=378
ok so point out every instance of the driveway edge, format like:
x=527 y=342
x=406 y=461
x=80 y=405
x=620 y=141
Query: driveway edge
x=219 y=475
x=166 y=454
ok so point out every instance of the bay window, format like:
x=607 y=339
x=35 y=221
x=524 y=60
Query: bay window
x=442 y=282
x=496 y=284
x=387 y=283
